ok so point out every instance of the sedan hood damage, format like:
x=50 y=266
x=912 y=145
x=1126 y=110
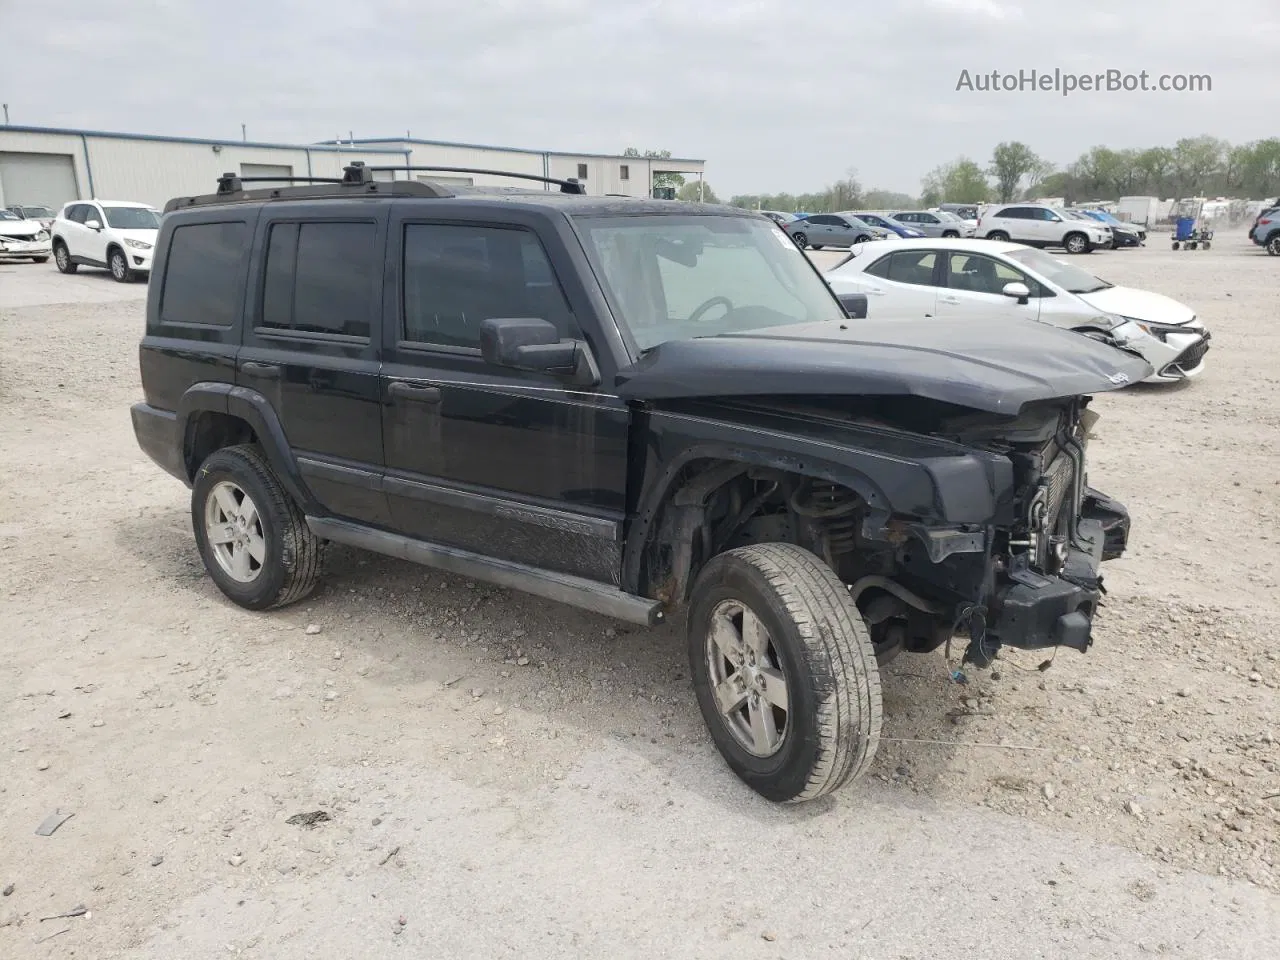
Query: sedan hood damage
x=994 y=366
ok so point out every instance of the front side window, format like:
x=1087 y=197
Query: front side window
x=981 y=274
x=457 y=276
x=682 y=277
x=131 y=218
x=78 y=213
x=321 y=277
x=203 y=274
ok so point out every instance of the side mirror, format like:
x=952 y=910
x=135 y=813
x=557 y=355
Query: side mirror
x=93 y=224
x=855 y=304
x=527 y=343
x=1018 y=291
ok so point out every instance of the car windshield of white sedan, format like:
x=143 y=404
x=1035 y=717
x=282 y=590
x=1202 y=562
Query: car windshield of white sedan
x=35 y=213
x=681 y=277
x=9 y=215
x=132 y=218
x=1070 y=278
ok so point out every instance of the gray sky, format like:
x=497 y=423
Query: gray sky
x=774 y=94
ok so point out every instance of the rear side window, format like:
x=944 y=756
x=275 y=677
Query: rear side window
x=880 y=268
x=203 y=274
x=912 y=266
x=457 y=276
x=321 y=278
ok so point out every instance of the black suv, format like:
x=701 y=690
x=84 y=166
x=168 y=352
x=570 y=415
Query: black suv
x=647 y=409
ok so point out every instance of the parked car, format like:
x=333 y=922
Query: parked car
x=977 y=280
x=1082 y=217
x=779 y=217
x=1265 y=231
x=888 y=224
x=1123 y=234
x=936 y=223
x=22 y=239
x=686 y=427
x=38 y=212
x=117 y=235
x=832 y=230
x=1041 y=226
x=965 y=211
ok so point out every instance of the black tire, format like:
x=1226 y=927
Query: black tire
x=294 y=555
x=801 y=239
x=1273 y=245
x=1175 y=244
x=822 y=648
x=39 y=259
x=62 y=257
x=999 y=236
x=1207 y=244
x=118 y=264
x=949 y=235
x=1076 y=243
x=862 y=238
x=815 y=246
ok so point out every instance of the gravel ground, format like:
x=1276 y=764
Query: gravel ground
x=506 y=777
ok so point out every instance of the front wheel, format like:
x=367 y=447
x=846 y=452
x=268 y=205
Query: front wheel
x=999 y=236
x=784 y=671
x=1076 y=243
x=119 y=266
x=254 y=540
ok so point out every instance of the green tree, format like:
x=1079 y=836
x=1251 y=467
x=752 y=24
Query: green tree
x=1195 y=160
x=1011 y=162
x=961 y=181
x=695 y=190
x=887 y=200
x=1155 y=168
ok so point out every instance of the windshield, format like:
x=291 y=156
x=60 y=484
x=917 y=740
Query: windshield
x=9 y=215
x=36 y=213
x=132 y=218
x=681 y=277
x=1070 y=278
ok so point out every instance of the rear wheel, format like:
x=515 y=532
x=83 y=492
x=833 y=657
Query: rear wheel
x=999 y=236
x=1273 y=245
x=118 y=263
x=62 y=257
x=784 y=671
x=801 y=239
x=254 y=540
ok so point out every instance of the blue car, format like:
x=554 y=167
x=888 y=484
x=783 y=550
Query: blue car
x=1124 y=234
x=886 y=223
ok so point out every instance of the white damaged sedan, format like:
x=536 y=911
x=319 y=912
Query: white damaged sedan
x=986 y=278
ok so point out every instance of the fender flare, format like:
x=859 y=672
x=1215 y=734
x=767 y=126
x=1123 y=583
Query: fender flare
x=255 y=410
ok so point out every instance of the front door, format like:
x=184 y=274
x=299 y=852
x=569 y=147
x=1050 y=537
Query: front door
x=94 y=243
x=973 y=289
x=313 y=348
x=518 y=466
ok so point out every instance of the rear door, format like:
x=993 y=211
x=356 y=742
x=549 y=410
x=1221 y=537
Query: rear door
x=900 y=284
x=310 y=348
x=973 y=285
x=514 y=465
x=73 y=229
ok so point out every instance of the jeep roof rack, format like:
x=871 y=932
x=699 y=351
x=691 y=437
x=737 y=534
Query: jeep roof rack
x=357 y=179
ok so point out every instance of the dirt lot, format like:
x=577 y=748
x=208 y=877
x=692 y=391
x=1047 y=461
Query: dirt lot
x=507 y=777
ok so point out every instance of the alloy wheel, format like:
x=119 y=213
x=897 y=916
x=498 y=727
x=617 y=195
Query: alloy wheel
x=235 y=533
x=747 y=679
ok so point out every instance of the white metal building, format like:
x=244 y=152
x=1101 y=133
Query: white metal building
x=51 y=166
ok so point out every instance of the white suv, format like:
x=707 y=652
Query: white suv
x=1038 y=225
x=116 y=235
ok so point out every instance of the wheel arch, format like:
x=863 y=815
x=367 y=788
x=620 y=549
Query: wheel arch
x=212 y=416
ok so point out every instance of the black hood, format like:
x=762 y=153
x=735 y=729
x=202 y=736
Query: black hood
x=995 y=365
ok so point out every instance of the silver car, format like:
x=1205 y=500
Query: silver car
x=935 y=223
x=831 y=230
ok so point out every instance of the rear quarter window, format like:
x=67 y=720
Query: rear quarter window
x=204 y=274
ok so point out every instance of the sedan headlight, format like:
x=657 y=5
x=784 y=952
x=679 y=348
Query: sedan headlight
x=42 y=235
x=1160 y=330
x=137 y=244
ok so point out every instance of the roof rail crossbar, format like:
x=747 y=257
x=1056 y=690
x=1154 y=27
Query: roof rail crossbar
x=234 y=183
x=572 y=185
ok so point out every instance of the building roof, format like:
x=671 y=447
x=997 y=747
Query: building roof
x=226 y=141
x=482 y=146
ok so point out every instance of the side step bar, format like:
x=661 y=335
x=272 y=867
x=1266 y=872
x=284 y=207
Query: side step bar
x=561 y=587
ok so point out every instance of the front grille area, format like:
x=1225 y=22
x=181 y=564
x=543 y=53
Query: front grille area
x=1190 y=358
x=24 y=239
